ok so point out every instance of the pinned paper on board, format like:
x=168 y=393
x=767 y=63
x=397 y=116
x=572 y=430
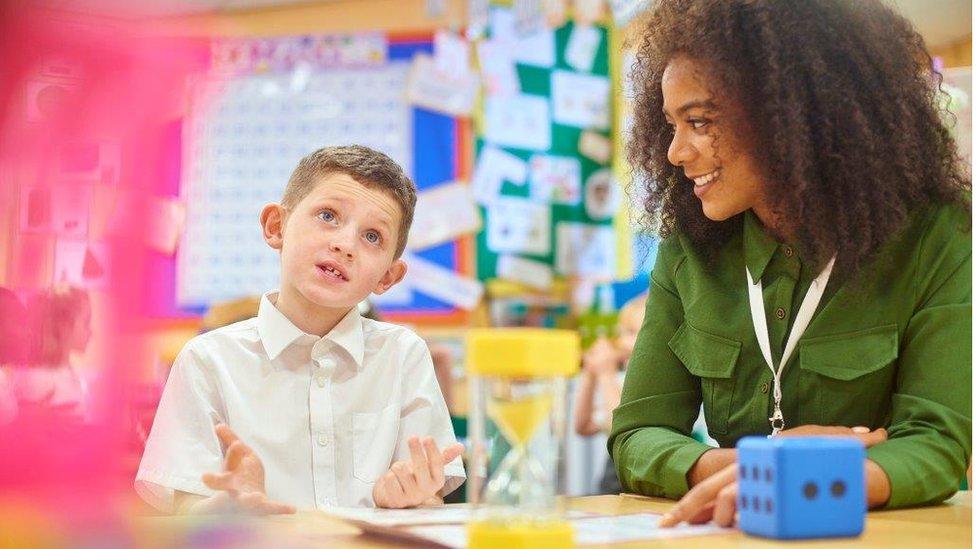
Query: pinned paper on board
x=601 y=195
x=535 y=274
x=442 y=283
x=584 y=41
x=443 y=213
x=497 y=66
x=596 y=147
x=63 y=211
x=494 y=167
x=587 y=12
x=581 y=100
x=519 y=121
x=555 y=179
x=585 y=250
x=80 y=263
x=451 y=54
x=434 y=90
x=625 y=10
x=517 y=225
x=531 y=46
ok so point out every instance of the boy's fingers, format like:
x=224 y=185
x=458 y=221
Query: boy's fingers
x=235 y=452
x=698 y=497
x=404 y=474
x=420 y=466
x=452 y=452
x=226 y=436
x=435 y=461
x=217 y=481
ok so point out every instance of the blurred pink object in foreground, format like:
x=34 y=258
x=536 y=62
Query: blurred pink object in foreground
x=74 y=89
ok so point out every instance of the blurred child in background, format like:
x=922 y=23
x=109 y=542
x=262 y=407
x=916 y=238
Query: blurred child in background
x=600 y=382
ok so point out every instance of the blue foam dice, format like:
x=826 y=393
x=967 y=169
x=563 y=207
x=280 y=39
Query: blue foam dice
x=803 y=487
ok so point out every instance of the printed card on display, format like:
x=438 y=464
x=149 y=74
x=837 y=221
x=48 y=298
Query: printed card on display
x=494 y=167
x=555 y=179
x=596 y=147
x=536 y=48
x=451 y=54
x=432 y=89
x=582 y=47
x=585 y=250
x=442 y=283
x=498 y=74
x=81 y=263
x=517 y=225
x=443 y=213
x=520 y=122
x=601 y=199
x=527 y=271
x=581 y=100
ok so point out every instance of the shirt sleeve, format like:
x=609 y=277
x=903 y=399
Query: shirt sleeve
x=424 y=413
x=650 y=437
x=182 y=444
x=929 y=440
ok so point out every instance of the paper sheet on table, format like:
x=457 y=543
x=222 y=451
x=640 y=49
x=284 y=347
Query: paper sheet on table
x=518 y=121
x=555 y=178
x=494 y=167
x=517 y=225
x=585 y=250
x=443 y=213
x=442 y=283
x=447 y=514
x=527 y=271
x=580 y=100
x=581 y=48
x=432 y=89
x=587 y=531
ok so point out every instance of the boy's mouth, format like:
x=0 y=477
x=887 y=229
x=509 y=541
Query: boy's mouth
x=332 y=270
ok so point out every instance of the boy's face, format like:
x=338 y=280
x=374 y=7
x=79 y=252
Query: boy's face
x=338 y=243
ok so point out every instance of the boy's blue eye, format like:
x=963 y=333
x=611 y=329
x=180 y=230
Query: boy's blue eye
x=372 y=237
x=327 y=216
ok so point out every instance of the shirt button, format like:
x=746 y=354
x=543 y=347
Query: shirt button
x=765 y=387
x=323 y=440
x=780 y=313
x=320 y=380
x=788 y=251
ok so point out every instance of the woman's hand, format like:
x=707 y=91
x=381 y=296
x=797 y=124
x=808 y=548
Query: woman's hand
x=715 y=497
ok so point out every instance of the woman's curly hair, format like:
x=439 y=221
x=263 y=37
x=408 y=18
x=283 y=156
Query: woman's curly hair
x=842 y=105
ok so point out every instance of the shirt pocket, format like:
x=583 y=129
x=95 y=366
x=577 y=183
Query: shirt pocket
x=374 y=436
x=712 y=358
x=848 y=375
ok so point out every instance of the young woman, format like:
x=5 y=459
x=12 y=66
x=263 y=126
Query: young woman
x=814 y=275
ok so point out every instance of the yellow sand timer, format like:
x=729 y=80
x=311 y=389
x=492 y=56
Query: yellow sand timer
x=517 y=378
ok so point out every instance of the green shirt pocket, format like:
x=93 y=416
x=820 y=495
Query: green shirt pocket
x=847 y=375
x=712 y=358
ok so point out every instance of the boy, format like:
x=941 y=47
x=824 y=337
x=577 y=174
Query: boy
x=309 y=405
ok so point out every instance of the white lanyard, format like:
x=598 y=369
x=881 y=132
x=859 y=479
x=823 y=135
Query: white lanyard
x=803 y=317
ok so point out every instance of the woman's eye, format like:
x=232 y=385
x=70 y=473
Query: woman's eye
x=372 y=237
x=698 y=123
x=327 y=216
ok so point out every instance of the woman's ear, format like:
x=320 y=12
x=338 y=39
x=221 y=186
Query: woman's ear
x=273 y=218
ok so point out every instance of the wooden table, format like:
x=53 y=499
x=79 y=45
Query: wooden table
x=944 y=526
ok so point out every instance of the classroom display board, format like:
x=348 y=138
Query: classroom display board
x=266 y=103
x=543 y=175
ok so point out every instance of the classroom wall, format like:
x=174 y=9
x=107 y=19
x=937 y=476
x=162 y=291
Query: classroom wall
x=956 y=54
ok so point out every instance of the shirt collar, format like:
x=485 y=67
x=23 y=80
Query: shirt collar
x=278 y=332
x=758 y=246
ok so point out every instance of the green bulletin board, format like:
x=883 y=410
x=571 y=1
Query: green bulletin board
x=536 y=81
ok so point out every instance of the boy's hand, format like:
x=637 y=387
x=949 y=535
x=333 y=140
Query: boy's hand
x=241 y=484
x=417 y=481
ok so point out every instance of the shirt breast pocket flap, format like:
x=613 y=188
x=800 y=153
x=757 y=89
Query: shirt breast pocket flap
x=374 y=436
x=704 y=354
x=712 y=358
x=848 y=356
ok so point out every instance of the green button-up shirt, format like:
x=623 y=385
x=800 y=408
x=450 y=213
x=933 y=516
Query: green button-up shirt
x=890 y=348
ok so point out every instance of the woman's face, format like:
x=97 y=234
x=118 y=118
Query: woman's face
x=710 y=143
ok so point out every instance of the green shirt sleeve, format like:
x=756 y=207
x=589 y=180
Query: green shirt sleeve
x=650 y=439
x=929 y=443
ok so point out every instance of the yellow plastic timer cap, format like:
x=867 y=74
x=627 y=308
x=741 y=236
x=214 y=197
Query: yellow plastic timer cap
x=523 y=352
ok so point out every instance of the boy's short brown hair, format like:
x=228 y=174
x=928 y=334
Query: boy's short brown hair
x=368 y=167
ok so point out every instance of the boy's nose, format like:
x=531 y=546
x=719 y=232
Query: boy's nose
x=342 y=248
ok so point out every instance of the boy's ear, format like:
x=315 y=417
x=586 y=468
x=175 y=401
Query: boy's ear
x=393 y=275
x=273 y=224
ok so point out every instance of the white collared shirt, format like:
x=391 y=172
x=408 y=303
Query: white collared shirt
x=327 y=416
